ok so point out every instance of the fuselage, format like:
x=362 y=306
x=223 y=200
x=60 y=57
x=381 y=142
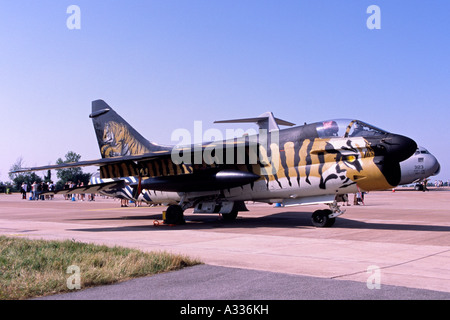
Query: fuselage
x=324 y=158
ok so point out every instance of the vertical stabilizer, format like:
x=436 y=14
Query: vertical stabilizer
x=115 y=136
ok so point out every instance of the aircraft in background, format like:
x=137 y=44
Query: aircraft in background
x=421 y=165
x=308 y=164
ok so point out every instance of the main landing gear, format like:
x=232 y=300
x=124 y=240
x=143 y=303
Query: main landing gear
x=230 y=216
x=320 y=218
x=174 y=215
x=326 y=218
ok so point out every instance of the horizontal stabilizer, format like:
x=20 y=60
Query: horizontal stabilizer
x=91 y=188
x=265 y=121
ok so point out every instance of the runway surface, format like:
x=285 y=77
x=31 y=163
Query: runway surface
x=399 y=241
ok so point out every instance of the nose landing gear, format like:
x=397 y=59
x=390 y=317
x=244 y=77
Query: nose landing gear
x=326 y=218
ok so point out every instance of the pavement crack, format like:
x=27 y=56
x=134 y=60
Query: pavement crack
x=393 y=265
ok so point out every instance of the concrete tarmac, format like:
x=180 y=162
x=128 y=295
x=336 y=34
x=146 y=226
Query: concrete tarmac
x=206 y=282
x=397 y=239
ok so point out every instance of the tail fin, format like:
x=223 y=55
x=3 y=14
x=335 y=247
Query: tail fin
x=115 y=136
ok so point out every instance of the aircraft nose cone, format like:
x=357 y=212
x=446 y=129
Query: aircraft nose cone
x=390 y=150
x=396 y=147
x=436 y=167
x=401 y=147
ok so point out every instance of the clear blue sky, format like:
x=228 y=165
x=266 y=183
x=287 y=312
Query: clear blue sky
x=165 y=64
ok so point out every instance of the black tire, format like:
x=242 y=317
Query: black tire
x=174 y=215
x=230 y=216
x=320 y=219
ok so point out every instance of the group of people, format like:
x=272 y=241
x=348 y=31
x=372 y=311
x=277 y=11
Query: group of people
x=358 y=198
x=79 y=196
x=70 y=185
x=439 y=183
x=37 y=189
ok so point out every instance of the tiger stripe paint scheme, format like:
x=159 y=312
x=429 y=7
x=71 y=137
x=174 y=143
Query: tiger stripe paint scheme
x=299 y=163
x=312 y=163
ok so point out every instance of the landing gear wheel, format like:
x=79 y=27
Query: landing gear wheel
x=230 y=216
x=174 y=215
x=320 y=219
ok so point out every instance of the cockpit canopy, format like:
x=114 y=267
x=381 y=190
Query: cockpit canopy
x=347 y=128
x=421 y=150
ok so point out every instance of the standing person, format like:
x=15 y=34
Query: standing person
x=38 y=190
x=81 y=194
x=343 y=198
x=123 y=202
x=51 y=188
x=425 y=182
x=71 y=185
x=66 y=186
x=33 y=190
x=44 y=189
x=24 y=189
x=78 y=185
x=355 y=199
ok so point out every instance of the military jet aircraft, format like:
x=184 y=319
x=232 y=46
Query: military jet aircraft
x=307 y=164
x=421 y=165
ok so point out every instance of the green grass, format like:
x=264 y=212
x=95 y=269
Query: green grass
x=31 y=268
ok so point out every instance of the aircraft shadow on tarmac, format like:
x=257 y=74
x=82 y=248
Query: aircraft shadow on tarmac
x=286 y=219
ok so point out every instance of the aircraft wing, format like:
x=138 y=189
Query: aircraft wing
x=164 y=174
x=188 y=160
x=98 y=162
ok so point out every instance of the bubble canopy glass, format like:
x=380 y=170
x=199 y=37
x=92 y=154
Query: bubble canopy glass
x=345 y=128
